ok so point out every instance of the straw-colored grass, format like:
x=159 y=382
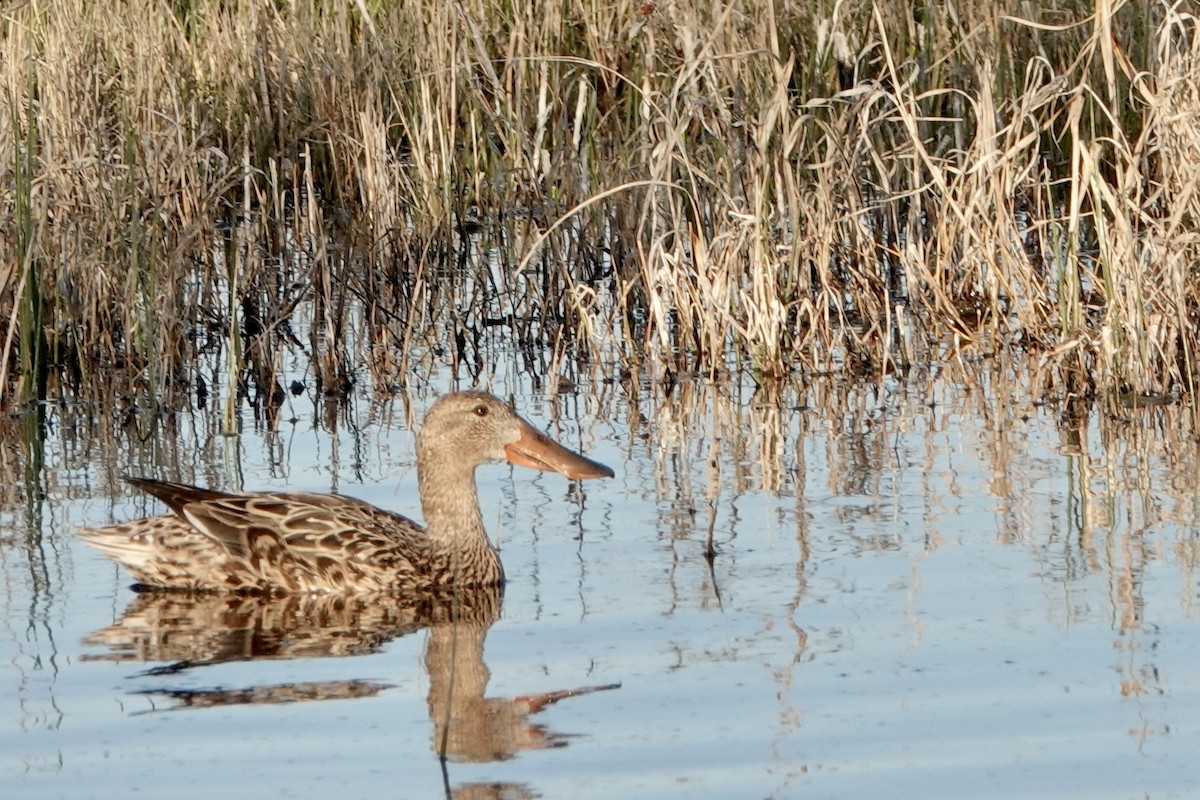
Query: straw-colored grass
x=662 y=186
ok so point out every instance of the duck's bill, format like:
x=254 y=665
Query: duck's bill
x=537 y=450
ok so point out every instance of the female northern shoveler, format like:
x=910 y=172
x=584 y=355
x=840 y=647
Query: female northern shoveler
x=272 y=542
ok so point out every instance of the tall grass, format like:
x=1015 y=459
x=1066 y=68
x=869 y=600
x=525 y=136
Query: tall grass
x=671 y=187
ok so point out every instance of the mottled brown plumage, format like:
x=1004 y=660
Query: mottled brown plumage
x=280 y=542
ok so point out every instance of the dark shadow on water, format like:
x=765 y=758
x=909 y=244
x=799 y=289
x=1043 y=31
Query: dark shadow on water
x=186 y=631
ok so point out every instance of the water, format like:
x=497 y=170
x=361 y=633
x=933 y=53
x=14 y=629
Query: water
x=917 y=591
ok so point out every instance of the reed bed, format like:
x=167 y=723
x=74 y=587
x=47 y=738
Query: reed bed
x=595 y=189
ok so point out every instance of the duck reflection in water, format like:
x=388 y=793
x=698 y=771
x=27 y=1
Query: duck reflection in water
x=184 y=631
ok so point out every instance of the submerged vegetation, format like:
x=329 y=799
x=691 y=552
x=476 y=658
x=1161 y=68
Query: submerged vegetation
x=661 y=187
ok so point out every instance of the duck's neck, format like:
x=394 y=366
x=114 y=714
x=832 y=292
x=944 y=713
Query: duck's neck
x=462 y=553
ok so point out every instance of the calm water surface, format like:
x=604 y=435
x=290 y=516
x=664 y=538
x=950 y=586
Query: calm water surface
x=916 y=593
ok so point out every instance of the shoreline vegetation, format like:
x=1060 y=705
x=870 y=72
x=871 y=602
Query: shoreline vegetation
x=615 y=188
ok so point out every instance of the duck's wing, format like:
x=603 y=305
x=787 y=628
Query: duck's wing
x=301 y=541
x=176 y=495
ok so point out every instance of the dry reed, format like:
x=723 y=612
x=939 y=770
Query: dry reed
x=670 y=187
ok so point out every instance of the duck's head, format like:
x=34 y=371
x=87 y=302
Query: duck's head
x=472 y=428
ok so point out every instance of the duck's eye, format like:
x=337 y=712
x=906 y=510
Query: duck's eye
x=481 y=411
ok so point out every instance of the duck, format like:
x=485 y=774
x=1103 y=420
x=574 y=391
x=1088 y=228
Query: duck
x=299 y=542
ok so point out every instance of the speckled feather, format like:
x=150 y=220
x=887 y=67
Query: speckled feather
x=281 y=542
x=285 y=542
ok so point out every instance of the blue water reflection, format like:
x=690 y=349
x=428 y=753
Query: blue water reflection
x=914 y=592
